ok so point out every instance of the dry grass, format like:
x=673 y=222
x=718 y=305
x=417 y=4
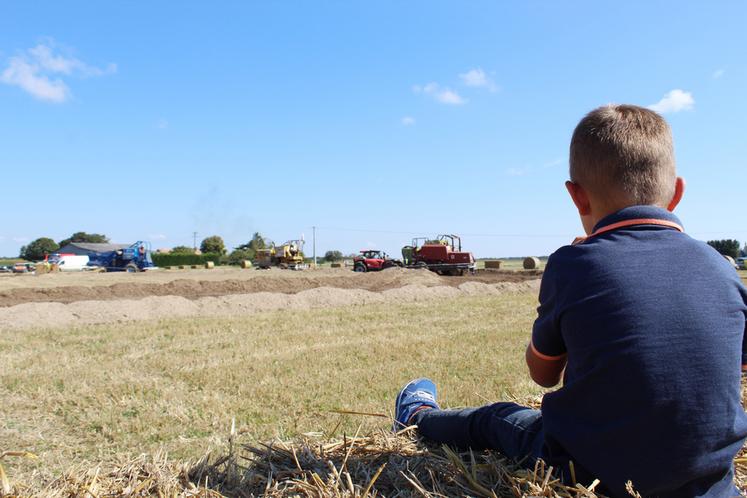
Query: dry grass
x=108 y=393
x=132 y=409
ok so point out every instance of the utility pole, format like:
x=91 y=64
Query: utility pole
x=313 y=239
x=194 y=241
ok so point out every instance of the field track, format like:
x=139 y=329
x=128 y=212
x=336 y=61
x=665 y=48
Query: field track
x=64 y=288
x=105 y=298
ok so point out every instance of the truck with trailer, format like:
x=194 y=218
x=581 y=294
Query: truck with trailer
x=442 y=255
x=134 y=258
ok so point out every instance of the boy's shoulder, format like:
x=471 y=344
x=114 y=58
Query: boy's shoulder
x=652 y=251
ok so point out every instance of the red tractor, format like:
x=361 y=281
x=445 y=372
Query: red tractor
x=373 y=260
x=442 y=255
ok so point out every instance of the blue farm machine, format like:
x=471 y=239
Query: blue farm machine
x=134 y=258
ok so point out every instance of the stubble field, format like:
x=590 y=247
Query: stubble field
x=77 y=394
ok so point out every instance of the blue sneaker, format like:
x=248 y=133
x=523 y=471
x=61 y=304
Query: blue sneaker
x=415 y=395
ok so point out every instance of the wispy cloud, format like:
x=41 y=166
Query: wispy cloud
x=516 y=171
x=558 y=161
x=529 y=169
x=479 y=79
x=162 y=124
x=408 y=121
x=674 y=101
x=444 y=95
x=39 y=70
x=157 y=236
x=20 y=240
x=718 y=73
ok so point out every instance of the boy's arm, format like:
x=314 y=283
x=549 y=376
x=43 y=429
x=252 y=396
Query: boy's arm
x=546 y=353
x=545 y=370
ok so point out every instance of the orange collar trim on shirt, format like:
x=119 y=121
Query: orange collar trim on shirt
x=630 y=223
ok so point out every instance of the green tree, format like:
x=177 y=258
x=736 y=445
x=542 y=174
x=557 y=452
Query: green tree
x=213 y=245
x=330 y=256
x=37 y=249
x=239 y=255
x=91 y=238
x=182 y=250
x=727 y=247
x=257 y=242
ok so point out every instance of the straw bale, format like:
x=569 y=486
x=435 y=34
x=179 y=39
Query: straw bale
x=531 y=263
x=493 y=264
x=246 y=264
x=336 y=265
x=209 y=265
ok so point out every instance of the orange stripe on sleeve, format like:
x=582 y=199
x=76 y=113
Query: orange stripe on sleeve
x=544 y=356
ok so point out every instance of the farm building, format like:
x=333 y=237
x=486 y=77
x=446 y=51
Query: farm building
x=84 y=248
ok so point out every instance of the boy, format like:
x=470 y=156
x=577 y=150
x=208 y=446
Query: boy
x=646 y=323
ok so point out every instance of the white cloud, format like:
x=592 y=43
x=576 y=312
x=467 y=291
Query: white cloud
x=20 y=240
x=37 y=71
x=555 y=162
x=157 y=236
x=718 y=73
x=408 y=121
x=162 y=124
x=440 y=94
x=477 y=78
x=516 y=171
x=674 y=101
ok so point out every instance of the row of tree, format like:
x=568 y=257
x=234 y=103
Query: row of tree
x=39 y=248
x=729 y=247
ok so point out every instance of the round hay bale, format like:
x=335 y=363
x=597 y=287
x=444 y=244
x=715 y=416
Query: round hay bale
x=181 y=267
x=194 y=267
x=336 y=265
x=209 y=265
x=493 y=264
x=531 y=263
x=246 y=264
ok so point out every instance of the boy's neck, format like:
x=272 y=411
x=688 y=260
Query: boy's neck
x=599 y=212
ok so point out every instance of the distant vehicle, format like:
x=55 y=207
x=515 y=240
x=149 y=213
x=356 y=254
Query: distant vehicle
x=24 y=267
x=288 y=256
x=374 y=260
x=442 y=255
x=70 y=262
x=742 y=263
x=134 y=258
x=6 y=269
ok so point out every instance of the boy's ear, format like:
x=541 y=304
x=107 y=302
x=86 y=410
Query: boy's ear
x=679 y=190
x=580 y=197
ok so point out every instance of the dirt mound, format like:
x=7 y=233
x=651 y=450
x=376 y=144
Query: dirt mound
x=55 y=314
x=284 y=283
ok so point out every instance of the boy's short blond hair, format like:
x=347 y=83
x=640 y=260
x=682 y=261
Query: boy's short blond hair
x=623 y=154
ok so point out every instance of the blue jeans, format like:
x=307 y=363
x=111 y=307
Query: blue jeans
x=514 y=430
x=517 y=432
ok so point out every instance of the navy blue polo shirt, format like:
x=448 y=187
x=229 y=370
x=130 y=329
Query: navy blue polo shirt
x=653 y=326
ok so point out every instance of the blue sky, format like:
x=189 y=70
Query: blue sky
x=375 y=121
